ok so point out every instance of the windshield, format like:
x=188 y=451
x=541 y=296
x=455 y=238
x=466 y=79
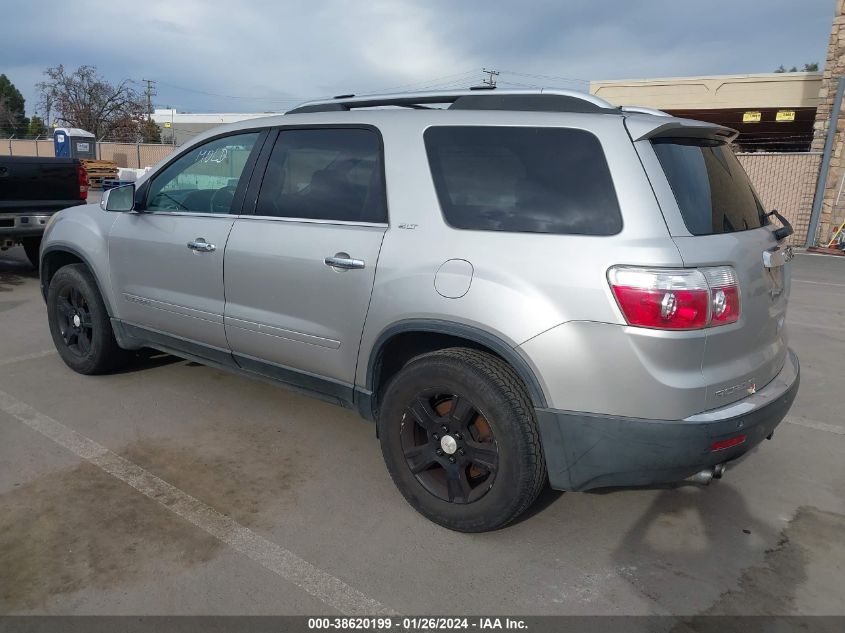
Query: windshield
x=711 y=187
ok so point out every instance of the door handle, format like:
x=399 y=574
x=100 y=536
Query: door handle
x=343 y=261
x=201 y=245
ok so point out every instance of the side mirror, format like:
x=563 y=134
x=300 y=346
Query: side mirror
x=120 y=199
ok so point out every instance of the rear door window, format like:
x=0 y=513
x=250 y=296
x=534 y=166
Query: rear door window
x=332 y=174
x=523 y=179
x=711 y=187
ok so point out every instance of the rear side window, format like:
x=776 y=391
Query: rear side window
x=523 y=179
x=325 y=174
x=711 y=187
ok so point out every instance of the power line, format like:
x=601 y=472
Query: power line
x=417 y=85
x=149 y=92
x=215 y=94
x=551 y=77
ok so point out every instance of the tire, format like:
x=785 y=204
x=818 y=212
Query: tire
x=32 y=248
x=79 y=323
x=491 y=434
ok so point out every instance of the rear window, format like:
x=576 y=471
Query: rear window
x=523 y=179
x=711 y=187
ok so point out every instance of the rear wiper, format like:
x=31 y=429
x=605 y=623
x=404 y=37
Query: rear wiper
x=786 y=230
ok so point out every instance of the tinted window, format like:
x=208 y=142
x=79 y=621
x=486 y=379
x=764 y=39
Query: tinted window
x=204 y=178
x=711 y=187
x=537 y=180
x=325 y=174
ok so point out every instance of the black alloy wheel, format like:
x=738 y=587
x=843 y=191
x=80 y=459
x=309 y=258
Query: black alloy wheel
x=459 y=437
x=80 y=324
x=73 y=315
x=449 y=447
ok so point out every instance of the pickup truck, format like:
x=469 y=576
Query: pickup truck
x=31 y=190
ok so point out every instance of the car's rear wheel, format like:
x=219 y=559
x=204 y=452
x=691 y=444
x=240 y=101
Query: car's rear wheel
x=79 y=323
x=460 y=440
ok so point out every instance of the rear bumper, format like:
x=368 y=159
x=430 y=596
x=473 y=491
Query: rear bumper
x=13 y=225
x=585 y=451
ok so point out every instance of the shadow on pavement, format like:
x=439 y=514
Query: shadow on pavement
x=692 y=535
x=15 y=269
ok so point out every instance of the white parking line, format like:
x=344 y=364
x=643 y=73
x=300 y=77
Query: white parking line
x=819 y=426
x=33 y=356
x=320 y=584
x=832 y=328
x=819 y=283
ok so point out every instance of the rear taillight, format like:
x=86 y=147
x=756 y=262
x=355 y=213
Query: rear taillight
x=724 y=294
x=82 y=177
x=676 y=298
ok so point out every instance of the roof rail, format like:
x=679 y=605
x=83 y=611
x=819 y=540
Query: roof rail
x=541 y=99
x=644 y=110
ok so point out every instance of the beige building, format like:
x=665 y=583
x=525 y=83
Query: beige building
x=772 y=111
x=179 y=127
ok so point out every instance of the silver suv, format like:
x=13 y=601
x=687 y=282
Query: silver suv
x=517 y=287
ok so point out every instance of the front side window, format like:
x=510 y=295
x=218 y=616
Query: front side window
x=332 y=174
x=204 y=179
x=711 y=187
x=523 y=179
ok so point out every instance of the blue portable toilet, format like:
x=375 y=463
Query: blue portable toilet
x=71 y=142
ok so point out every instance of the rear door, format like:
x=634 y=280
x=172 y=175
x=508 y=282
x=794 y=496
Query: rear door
x=300 y=271
x=715 y=218
x=167 y=259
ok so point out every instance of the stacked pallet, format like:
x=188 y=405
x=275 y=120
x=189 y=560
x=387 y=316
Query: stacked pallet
x=98 y=171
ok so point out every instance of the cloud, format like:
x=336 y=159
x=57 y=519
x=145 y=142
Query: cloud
x=260 y=55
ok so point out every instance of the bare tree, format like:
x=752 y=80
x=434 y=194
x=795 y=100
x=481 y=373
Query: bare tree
x=87 y=100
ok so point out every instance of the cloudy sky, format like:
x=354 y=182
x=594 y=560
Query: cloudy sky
x=257 y=55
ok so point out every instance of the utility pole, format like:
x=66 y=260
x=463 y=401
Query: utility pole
x=149 y=92
x=491 y=77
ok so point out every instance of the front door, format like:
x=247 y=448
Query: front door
x=300 y=271
x=167 y=258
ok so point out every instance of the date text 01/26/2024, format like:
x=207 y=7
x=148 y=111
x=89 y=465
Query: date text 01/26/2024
x=416 y=623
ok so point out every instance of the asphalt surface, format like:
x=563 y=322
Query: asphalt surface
x=174 y=488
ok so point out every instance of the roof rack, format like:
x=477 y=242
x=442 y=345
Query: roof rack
x=644 y=110
x=540 y=100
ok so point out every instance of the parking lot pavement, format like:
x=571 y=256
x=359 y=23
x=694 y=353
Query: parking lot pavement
x=175 y=488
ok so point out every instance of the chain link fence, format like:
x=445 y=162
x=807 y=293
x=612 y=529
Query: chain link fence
x=135 y=155
x=786 y=182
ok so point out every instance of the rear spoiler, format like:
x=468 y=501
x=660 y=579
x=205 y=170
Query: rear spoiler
x=642 y=127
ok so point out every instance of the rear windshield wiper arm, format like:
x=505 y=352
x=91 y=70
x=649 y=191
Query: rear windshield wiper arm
x=786 y=230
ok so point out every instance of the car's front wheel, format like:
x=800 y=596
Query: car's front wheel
x=459 y=438
x=79 y=323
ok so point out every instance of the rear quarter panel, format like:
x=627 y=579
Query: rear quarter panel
x=523 y=284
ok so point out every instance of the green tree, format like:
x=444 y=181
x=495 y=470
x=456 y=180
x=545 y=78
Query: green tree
x=150 y=132
x=12 y=112
x=36 y=126
x=807 y=68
